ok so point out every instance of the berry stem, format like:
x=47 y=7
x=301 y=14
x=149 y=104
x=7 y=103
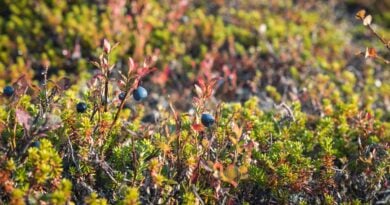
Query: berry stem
x=106 y=88
x=109 y=149
x=386 y=44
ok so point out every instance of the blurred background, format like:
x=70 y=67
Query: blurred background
x=278 y=50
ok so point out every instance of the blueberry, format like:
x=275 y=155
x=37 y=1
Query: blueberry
x=121 y=96
x=8 y=91
x=36 y=144
x=207 y=119
x=81 y=107
x=140 y=93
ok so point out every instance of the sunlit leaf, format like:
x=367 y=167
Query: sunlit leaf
x=370 y=53
x=198 y=91
x=361 y=14
x=367 y=20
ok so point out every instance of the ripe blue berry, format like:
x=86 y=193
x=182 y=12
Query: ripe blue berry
x=207 y=119
x=121 y=96
x=81 y=107
x=140 y=93
x=8 y=91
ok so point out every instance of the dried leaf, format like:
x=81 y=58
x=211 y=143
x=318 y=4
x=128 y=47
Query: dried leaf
x=104 y=62
x=115 y=45
x=53 y=122
x=198 y=91
x=195 y=175
x=198 y=127
x=21 y=85
x=230 y=175
x=367 y=20
x=123 y=76
x=361 y=14
x=231 y=172
x=23 y=118
x=64 y=83
x=207 y=165
x=131 y=66
x=175 y=115
x=370 y=53
x=147 y=61
x=237 y=130
x=218 y=166
x=233 y=140
x=95 y=64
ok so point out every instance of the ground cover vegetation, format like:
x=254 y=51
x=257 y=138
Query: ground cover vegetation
x=194 y=102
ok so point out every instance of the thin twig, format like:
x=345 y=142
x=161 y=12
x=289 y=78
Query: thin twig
x=387 y=45
x=110 y=147
x=72 y=155
x=134 y=161
x=290 y=112
x=376 y=57
x=197 y=195
x=106 y=91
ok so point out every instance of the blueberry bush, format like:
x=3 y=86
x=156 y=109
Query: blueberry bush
x=194 y=102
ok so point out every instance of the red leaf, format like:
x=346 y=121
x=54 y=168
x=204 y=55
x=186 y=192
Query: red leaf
x=195 y=173
x=162 y=77
x=144 y=71
x=201 y=84
x=194 y=176
x=218 y=166
x=370 y=53
x=198 y=127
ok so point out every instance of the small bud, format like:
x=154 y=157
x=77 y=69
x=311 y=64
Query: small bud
x=106 y=46
x=105 y=62
x=198 y=91
x=131 y=66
